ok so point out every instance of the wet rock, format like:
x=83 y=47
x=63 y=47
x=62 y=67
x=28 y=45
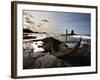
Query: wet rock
x=47 y=61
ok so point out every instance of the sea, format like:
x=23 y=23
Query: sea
x=70 y=41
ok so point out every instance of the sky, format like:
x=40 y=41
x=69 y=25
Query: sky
x=60 y=21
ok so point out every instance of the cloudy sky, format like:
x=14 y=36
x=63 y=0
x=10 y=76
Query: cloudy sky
x=60 y=21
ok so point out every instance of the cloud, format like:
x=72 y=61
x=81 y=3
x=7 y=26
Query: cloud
x=36 y=24
x=45 y=20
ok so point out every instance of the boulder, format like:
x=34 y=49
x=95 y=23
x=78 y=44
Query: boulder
x=47 y=61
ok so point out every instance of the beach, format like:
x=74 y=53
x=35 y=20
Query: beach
x=38 y=52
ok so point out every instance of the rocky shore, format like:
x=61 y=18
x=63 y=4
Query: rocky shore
x=57 y=54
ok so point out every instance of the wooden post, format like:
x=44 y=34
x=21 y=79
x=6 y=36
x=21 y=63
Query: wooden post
x=66 y=34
